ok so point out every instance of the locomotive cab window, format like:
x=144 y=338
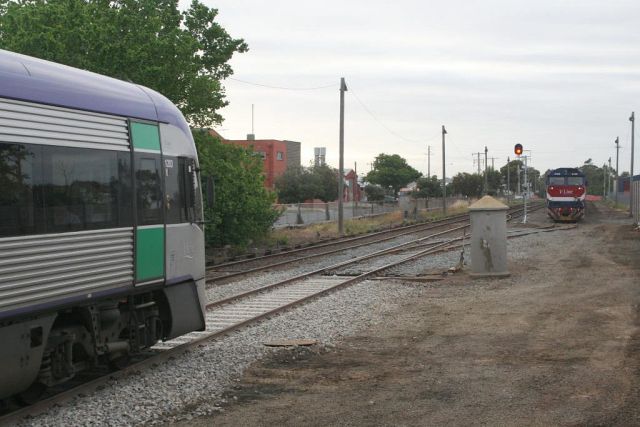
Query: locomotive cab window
x=148 y=189
x=575 y=180
x=556 y=180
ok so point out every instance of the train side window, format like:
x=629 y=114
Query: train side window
x=80 y=188
x=174 y=192
x=148 y=189
x=19 y=167
x=190 y=185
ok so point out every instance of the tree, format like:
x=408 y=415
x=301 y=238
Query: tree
x=299 y=184
x=293 y=186
x=242 y=210
x=326 y=182
x=494 y=180
x=374 y=193
x=182 y=55
x=466 y=184
x=428 y=187
x=595 y=177
x=533 y=175
x=391 y=171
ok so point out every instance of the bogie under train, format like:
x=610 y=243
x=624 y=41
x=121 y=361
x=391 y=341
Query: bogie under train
x=101 y=236
x=566 y=194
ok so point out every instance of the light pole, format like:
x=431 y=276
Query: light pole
x=343 y=89
x=508 y=181
x=604 y=181
x=617 y=142
x=609 y=173
x=632 y=119
x=444 y=175
x=486 y=176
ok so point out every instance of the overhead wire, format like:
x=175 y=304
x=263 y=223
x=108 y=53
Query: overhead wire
x=333 y=85
x=387 y=128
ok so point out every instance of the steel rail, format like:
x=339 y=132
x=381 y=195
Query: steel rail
x=425 y=227
x=133 y=369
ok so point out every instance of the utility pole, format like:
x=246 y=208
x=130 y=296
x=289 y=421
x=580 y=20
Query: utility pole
x=610 y=170
x=493 y=163
x=617 y=168
x=632 y=119
x=526 y=194
x=356 y=190
x=486 y=176
x=444 y=175
x=429 y=161
x=604 y=181
x=343 y=89
x=508 y=181
x=479 y=162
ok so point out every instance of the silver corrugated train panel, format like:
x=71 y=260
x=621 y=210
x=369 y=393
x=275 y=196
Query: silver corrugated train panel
x=23 y=122
x=40 y=269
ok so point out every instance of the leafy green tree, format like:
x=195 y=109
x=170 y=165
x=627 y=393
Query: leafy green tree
x=326 y=179
x=428 y=187
x=533 y=175
x=391 y=170
x=466 y=184
x=375 y=193
x=299 y=184
x=242 y=209
x=494 y=180
x=295 y=185
x=183 y=55
x=595 y=177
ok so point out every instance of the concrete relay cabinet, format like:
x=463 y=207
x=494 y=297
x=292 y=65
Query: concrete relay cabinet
x=488 y=238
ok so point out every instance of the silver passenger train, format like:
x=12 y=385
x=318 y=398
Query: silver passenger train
x=101 y=223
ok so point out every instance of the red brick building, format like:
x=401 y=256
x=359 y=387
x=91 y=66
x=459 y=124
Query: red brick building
x=352 y=191
x=272 y=151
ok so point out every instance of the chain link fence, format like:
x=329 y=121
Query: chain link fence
x=311 y=213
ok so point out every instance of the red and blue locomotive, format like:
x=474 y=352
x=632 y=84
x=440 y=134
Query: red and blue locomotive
x=566 y=193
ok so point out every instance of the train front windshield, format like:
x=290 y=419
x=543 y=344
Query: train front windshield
x=575 y=180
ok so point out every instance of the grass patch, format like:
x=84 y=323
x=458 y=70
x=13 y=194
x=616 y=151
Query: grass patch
x=357 y=226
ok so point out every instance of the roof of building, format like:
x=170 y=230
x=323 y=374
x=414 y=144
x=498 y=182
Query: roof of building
x=35 y=80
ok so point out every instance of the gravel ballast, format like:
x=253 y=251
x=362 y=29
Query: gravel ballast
x=198 y=379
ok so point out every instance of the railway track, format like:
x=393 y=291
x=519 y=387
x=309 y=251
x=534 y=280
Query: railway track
x=232 y=313
x=232 y=270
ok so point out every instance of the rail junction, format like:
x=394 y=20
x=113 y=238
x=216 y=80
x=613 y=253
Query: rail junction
x=246 y=308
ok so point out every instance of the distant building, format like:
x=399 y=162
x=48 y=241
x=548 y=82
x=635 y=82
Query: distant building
x=293 y=154
x=275 y=154
x=352 y=189
x=319 y=156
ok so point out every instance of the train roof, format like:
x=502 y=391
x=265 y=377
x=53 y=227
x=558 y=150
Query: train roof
x=565 y=172
x=35 y=80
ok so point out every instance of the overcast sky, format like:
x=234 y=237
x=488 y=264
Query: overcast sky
x=559 y=77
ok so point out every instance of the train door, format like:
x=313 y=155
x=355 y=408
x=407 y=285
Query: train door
x=149 y=204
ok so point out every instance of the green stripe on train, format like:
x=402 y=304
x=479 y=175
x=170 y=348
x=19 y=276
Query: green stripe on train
x=149 y=253
x=145 y=136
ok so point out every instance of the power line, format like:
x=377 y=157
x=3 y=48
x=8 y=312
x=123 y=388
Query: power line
x=391 y=131
x=281 y=87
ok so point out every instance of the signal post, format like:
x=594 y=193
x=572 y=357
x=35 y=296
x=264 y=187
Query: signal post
x=518 y=150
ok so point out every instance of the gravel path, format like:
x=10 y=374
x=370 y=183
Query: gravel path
x=197 y=380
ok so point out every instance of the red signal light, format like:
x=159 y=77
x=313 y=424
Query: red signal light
x=518 y=149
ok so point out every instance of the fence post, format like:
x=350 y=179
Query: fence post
x=326 y=211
